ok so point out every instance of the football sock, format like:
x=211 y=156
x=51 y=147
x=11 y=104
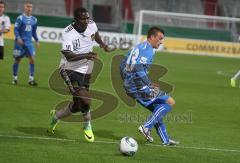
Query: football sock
x=31 y=69
x=159 y=112
x=162 y=132
x=15 y=69
x=54 y=120
x=87 y=121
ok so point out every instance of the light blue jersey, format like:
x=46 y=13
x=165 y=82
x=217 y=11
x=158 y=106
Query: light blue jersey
x=134 y=66
x=134 y=71
x=25 y=28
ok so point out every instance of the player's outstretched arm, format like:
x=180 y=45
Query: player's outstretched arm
x=34 y=34
x=70 y=56
x=101 y=43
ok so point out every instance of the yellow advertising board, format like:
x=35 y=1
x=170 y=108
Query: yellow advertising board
x=202 y=47
x=178 y=45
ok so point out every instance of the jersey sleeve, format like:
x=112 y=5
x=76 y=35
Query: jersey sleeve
x=93 y=26
x=17 y=27
x=34 y=30
x=67 y=41
x=7 y=23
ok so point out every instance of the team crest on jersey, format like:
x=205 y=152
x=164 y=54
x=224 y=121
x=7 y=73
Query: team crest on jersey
x=93 y=37
x=76 y=44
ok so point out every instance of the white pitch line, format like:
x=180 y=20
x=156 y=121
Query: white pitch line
x=114 y=142
x=223 y=73
x=197 y=148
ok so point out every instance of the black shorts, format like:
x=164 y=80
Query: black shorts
x=1 y=52
x=75 y=80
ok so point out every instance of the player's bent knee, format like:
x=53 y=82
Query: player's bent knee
x=31 y=60
x=84 y=96
x=81 y=101
x=171 y=101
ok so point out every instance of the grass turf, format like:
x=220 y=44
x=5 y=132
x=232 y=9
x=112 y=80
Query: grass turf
x=205 y=119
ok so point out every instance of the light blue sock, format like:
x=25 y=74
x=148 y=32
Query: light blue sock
x=15 y=69
x=31 y=69
x=162 y=132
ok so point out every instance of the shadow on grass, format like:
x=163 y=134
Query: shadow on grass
x=117 y=137
x=106 y=134
x=40 y=131
x=22 y=85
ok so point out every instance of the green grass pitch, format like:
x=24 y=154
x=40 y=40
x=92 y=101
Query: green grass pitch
x=205 y=119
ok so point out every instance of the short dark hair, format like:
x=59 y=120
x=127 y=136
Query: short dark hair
x=2 y=2
x=78 y=11
x=153 y=31
x=27 y=2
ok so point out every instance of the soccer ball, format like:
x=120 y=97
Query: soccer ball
x=128 y=146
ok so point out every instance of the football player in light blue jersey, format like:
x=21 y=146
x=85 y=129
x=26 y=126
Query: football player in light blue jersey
x=24 y=29
x=134 y=72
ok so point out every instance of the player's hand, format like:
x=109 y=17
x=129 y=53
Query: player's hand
x=20 y=42
x=155 y=85
x=105 y=47
x=37 y=44
x=155 y=90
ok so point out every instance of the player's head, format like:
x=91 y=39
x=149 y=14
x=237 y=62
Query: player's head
x=81 y=17
x=2 y=7
x=28 y=6
x=155 y=36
